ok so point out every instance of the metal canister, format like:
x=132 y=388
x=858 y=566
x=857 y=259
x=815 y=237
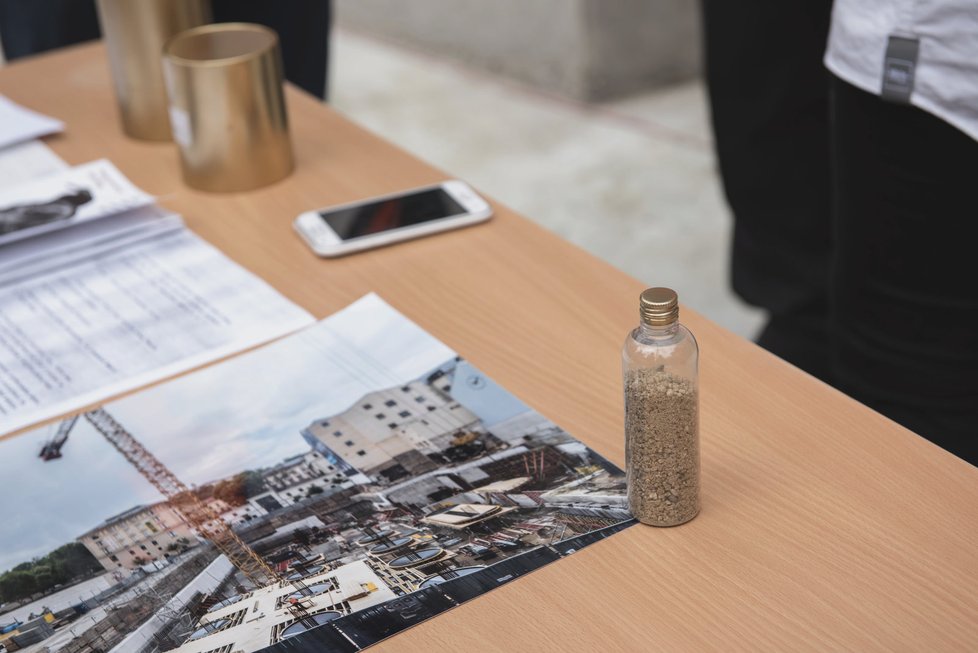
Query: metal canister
x=135 y=32
x=227 y=106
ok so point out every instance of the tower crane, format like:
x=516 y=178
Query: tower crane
x=198 y=515
x=52 y=448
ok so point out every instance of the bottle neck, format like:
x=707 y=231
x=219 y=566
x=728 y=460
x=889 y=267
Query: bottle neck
x=657 y=332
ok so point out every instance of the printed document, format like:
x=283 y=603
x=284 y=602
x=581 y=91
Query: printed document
x=124 y=318
x=19 y=124
x=111 y=304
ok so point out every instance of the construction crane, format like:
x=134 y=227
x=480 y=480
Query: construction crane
x=52 y=448
x=196 y=513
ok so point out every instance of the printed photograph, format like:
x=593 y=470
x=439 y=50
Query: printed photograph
x=24 y=216
x=322 y=493
x=62 y=199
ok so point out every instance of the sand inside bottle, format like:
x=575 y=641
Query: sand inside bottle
x=662 y=447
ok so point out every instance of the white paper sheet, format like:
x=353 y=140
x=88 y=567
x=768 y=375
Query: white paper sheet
x=19 y=124
x=124 y=318
x=86 y=192
x=27 y=161
x=60 y=249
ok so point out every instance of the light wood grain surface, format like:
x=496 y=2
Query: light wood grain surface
x=824 y=525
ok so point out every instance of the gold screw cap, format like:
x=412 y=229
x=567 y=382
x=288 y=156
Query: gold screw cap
x=659 y=306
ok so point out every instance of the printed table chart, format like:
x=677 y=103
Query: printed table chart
x=824 y=525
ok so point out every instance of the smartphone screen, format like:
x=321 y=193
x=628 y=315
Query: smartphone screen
x=394 y=213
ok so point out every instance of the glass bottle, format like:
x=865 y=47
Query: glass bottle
x=662 y=451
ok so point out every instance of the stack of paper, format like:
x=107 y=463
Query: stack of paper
x=102 y=291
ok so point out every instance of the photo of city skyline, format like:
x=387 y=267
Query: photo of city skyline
x=321 y=493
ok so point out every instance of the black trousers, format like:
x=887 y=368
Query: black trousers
x=31 y=26
x=769 y=100
x=303 y=27
x=904 y=288
x=853 y=221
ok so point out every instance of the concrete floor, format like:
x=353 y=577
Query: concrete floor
x=631 y=181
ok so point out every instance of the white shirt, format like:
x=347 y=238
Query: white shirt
x=946 y=74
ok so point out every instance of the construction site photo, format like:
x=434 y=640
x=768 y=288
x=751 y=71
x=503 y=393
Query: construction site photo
x=346 y=522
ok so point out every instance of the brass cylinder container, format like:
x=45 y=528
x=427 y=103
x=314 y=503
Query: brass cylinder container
x=227 y=106
x=135 y=32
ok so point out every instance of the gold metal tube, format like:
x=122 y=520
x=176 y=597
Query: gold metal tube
x=134 y=32
x=227 y=106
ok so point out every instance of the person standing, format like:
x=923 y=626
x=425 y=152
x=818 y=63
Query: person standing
x=904 y=284
x=851 y=193
x=769 y=98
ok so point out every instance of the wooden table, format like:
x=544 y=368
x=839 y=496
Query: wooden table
x=825 y=526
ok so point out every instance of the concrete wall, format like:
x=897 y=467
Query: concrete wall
x=583 y=49
x=637 y=45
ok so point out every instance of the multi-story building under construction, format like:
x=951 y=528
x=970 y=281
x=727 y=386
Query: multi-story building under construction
x=391 y=433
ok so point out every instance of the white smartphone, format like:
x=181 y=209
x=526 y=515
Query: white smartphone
x=378 y=221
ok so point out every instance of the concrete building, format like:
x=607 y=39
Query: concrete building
x=390 y=433
x=138 y=536
x=523 y=427
x=422 y=491
x=293 y=480
x=302 y=476
x=268 y=501
x=263 y=617
x=234 y=515
x=285 y=533
x=237 y=515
